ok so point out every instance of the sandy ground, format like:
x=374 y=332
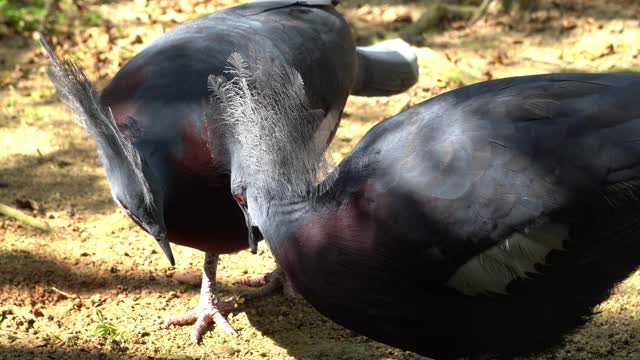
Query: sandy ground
x=51 y=285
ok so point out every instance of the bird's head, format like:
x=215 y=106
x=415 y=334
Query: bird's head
x=239 y=186
x=273 y=136
x=138 y=191
x=127 y=169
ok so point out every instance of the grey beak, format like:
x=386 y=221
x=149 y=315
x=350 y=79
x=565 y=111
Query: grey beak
x=254 y=236
x=253 y=231
x=166 y=248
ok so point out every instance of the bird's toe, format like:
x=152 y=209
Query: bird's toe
x=253 y=282
x=268 y=285
x=186 y=319
x=202 y=318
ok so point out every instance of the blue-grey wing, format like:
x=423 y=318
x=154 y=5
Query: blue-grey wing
x=490 y=178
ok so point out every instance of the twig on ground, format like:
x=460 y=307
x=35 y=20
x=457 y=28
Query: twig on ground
x=64 y=293
x=24 y=218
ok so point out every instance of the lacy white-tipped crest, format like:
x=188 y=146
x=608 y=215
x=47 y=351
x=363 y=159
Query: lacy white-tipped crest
x=77 y=92
x=270 y=126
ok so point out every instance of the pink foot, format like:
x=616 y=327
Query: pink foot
x=209 y=310
x=205 y=315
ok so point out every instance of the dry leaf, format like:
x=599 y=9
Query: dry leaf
x=29 y=204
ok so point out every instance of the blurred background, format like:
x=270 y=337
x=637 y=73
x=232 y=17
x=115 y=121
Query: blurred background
x=97 y=271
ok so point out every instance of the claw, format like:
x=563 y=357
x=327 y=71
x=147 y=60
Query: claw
x=204 y=321
x=209 y=310
x=202 y=318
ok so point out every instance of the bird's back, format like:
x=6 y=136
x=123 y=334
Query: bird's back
x=174 y=68
x=167 y=81
x=489 y=219
x=543 y=140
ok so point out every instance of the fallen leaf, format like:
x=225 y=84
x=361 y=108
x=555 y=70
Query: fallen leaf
x=610 y=50
x=63 y=163
x=406 y=18
x=29 y=204
x=14 y=76
x=569 y=24
x=458 y=24
x=441 y=82
x=365 y=10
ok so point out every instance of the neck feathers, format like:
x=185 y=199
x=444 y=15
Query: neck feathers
x=270 y=127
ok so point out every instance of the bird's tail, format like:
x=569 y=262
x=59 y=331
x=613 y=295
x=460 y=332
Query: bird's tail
x=386 y=68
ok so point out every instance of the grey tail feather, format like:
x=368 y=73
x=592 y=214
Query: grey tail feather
x=79 y=94
x=386 y=68
x=81 y=97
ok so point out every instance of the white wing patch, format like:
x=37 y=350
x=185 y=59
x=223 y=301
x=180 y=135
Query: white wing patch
x=511 y=259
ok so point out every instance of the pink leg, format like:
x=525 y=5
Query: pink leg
x=209 y=310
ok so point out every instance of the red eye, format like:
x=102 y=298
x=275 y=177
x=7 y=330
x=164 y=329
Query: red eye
x=239 y=199
x=123 y=205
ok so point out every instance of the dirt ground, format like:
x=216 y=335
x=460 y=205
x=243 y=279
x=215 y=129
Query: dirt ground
x=52 y=285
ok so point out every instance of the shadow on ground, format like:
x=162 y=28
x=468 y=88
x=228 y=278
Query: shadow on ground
x=39 y=270
x=64 y=176
x=294 y=325
x=20 y=353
